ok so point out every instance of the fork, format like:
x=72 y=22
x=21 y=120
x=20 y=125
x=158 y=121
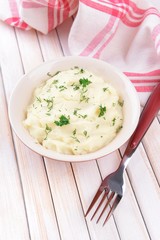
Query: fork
x=113 y=185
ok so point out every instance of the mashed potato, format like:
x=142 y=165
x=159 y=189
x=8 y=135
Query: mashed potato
x=74 y=112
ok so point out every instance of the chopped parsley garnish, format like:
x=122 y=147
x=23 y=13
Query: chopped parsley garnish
x=82 y=116
x=78 y=114
x=47 y=131
x=39 y=99
x=75 y=138
x=84 y=98
x=107 y=90
x=62 y=88
x=75 y=86
x=75 y=111
x=80 y=71
x=86 y=134
x=102 y=111
x=63 y=120
x=113 y=121
x=55 y=81
x=74 y=131
x=74 y=135
x=49 y=103
x=84 y=82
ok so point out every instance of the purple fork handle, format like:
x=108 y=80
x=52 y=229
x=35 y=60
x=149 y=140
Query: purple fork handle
x=147 y=116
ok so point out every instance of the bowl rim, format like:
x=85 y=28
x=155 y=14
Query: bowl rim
x=66 y=157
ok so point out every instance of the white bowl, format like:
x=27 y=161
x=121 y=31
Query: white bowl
x=23 y=92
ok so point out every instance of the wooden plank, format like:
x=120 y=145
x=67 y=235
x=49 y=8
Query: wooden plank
x=13 y=222
x=38 y=197
x=128 y=210
x=50 y=46
x=63 y=33
x=29 y=49
x=10 y=60
x=152 y=148
x=40 y=212
x=146 y=190
x=69 y=212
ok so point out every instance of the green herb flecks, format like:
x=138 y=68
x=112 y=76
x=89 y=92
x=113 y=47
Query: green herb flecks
x=47 y=131
x=85 y=133
x=84 y=98
x=84 y=82
x=75 y=86
x=62 y=88
x=76 y=111
x=106 y=90
x=74 y=131
x=80 y=71
x=49 y=103
x=55 y=81
x=63 y=120
x=113 y=121
x=102 y=111
x=74 y=135
x=39 y=99
x=78 y=114
x=82 y=116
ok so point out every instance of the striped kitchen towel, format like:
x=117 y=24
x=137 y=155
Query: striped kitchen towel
x=123 y=33
x=42 y=15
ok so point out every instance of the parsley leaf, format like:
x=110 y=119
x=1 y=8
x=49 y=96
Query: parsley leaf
x=102 y=111
x=63 y=120
x=39 y=99
x=74 y=135
x=113 y=121
x=84 y=82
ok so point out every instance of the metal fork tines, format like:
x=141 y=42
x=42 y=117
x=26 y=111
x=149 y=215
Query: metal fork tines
x=109 y=200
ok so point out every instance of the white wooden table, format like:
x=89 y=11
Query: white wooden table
x=43 y=199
